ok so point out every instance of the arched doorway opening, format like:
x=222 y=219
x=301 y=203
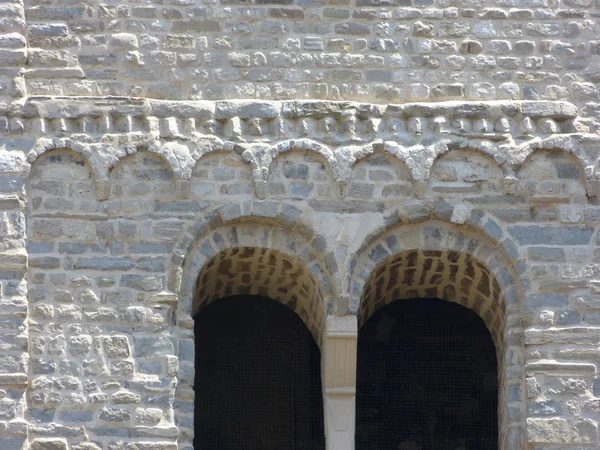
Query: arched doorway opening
x=258 y=323
x=258 y=381
x=427 y=379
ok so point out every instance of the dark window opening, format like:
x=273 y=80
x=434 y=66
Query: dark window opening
x=427 y=379
x=258 y=378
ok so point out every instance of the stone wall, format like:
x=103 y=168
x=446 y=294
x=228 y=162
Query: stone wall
x=333 y=155
x=122 y=217
x=364 y=50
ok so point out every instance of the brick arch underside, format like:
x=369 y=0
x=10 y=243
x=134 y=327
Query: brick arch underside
x=263 y=272
x=448 y=275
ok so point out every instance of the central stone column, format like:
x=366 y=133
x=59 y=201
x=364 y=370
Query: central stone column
x=339 y=381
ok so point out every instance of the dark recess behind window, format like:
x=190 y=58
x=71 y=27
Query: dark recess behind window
x=258 y=379
x=427 y=379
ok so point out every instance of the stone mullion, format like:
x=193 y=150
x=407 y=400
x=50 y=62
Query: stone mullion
x=339 y=353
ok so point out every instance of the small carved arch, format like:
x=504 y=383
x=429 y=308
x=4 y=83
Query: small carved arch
x=61 y=179
x=141 y=179
x=307 y=145
x=465 y=170
x=409 y=156
x=380 y=175
x=300 y=173
x=552 y=173
x=44 y=146
x=221 y=173
x=182 y=155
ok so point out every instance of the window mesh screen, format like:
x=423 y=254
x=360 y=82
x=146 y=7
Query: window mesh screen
x=258 y=380
x=427 y=379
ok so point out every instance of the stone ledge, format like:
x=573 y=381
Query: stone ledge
x=151 y=446
x=14 y=429
x=162 y=432
x=8 y=202
x=15 y=260
x=559 y=368
x=13 y=379
x=562 y=335
x=71 y=107
x=13 y=307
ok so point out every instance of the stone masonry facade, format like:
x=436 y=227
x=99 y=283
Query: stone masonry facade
x=333 y=155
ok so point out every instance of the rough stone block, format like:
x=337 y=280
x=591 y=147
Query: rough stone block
x=537 y=235
x=49 y=444
x=562 y=431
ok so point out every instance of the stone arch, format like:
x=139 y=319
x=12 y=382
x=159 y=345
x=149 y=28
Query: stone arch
x=483 y=147
x=220 y=231
x=421 y=158
x=552 y=173
x=221 y=173
x=139 y=180
x=262 y=156
x=557 y=143
x=100 y=157
x=182 y=155
x=465 y=171
x=224 y=238
x=445 y=274
x=300 y=173
x=435 y=236
x=409 y=156
x=306 y=145
x=457 y=264
x=380 y=175
x=61 y=180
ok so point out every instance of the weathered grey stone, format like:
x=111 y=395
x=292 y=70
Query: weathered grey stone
x=245 y=110
x=104 y=263
x=546 y=300
x=536 y=235
x=547 y=254
x=562 y=335
x=151 y=446
x=116 y=346
x=124 y=397
x=77 y=416
x=135 y=140
x=114 y=415
x=142 y=283
x=562 y=431
x=152 y=346
x=86 y=446
x=559 y=368
x=544 y=408
x=13 y=260
x=49 y=444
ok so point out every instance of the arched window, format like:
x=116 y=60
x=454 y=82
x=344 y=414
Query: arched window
x=258 y=381
x=427 y=379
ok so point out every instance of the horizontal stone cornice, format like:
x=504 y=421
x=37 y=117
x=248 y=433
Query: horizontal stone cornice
x=249 y=121
x=107 y=129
